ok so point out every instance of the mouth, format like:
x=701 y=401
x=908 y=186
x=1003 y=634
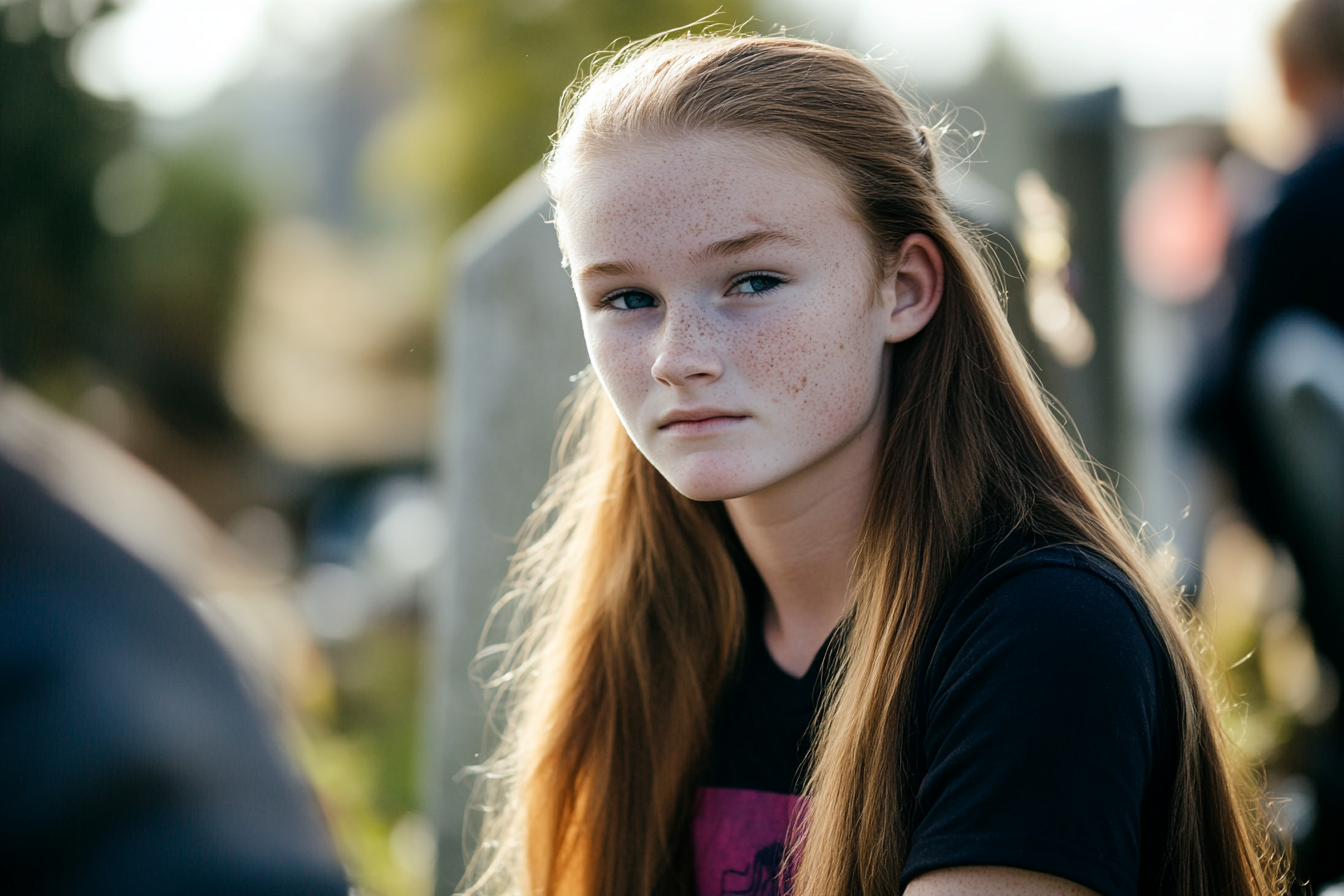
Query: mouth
x=699 y=421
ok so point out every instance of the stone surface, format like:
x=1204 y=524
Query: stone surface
x=512 y=341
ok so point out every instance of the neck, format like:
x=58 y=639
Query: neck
x=801 y=534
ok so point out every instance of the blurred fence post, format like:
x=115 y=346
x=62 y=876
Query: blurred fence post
x=511 y=341
x=1081 y=148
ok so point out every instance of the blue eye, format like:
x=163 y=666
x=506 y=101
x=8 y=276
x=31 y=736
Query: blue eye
x=630 y=301
x=751 y=284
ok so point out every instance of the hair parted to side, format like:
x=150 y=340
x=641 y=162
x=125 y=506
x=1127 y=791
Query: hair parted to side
x=630 y=610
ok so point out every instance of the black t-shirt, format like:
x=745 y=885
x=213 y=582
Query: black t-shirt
x=1047 y=742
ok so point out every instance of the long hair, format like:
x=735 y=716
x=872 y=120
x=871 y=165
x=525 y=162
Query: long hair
x=631 y=613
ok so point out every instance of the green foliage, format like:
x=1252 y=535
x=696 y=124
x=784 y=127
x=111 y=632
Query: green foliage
x=107 y=252
x=494 y=74
x=377 y=698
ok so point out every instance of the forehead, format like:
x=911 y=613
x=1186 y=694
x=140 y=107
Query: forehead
x=660 y=193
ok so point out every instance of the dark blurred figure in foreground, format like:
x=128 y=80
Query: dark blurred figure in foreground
x=1276 y=411
x=131 y=757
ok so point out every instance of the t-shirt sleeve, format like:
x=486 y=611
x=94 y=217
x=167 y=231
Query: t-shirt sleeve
x=1043 y=709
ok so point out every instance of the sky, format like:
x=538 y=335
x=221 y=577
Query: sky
x=172 y=57
x=1175 y=59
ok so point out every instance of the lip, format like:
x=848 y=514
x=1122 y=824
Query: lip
x=699 y=421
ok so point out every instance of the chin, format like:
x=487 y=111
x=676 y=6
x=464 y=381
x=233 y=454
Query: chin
x=711 y=484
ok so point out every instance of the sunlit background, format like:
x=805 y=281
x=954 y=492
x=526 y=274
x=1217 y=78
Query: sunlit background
x=227 y=264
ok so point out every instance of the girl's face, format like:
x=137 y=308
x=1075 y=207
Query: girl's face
x=732 y=308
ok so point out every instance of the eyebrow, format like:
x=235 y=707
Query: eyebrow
x=722 y=249
x=738 y=244
x=606 y=269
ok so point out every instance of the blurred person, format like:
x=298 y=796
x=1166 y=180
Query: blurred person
x=1273 y=409
x=823 y=600
x=132 y=757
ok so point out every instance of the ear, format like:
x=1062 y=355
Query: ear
x=913 y=286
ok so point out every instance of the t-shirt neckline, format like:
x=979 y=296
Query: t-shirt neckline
x=795 y=694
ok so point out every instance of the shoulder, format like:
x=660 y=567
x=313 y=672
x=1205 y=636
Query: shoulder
x=1043 y=719
x=1323 y=170
x=122 y=719
x=91 y=638
x=1063 y=600
x=1056 y=635
x=74 y=599
x=1307 y=203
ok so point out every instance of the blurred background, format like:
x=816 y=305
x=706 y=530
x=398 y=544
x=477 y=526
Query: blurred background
x=223 y=269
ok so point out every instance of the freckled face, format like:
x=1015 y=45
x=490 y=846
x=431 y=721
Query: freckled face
x=728 y=302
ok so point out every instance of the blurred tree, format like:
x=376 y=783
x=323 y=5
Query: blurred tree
x=176 y=275
x=494 y=71
x=106 y=251
x=54 y=138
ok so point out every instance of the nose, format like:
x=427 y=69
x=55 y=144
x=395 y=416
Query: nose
x=687 y=351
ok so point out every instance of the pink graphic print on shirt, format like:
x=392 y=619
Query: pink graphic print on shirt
x=739 y=841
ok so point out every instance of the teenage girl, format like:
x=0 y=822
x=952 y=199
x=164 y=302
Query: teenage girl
x=823 y=600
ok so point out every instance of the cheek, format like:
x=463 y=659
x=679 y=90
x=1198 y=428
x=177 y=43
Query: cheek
x=618 y=359
x=825 y=365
